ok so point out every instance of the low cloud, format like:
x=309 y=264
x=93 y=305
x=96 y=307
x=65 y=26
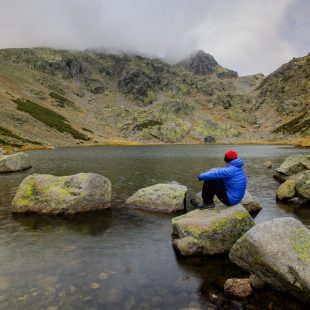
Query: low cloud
x=247 y=36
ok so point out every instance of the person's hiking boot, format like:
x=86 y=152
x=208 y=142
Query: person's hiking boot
x=206 y=206
x=202 y=206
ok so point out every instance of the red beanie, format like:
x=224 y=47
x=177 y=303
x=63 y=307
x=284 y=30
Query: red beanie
x=230 y=155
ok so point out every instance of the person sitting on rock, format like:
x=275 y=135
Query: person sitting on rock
x=227 y=183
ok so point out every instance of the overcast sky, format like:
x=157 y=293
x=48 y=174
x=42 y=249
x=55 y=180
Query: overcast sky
x=248 y=36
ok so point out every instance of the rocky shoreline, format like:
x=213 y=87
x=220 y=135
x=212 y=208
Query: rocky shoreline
x=275 y=253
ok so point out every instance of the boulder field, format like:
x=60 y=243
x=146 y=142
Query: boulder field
x=294 y=172
x=16 y=162
x=48 y=194
x=278 y=253
x=210 y=231
x=165 y=198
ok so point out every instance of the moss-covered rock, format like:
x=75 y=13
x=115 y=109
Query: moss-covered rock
x=303 y=186
x=159 y=198
x=278 y=252
x=48 y=194
x=249 y=202
x=16 y=162
x=286 y=190
x=294 y=164
x=210 y=231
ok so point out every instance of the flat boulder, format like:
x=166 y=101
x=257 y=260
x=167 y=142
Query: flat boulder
x=278 y=253
x=48 y=194
x=294 y=164
x=165 y=198
x=249 y=202
x=210 y=231
x=15 y=162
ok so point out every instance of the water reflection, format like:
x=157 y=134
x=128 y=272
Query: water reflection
x=91 y=223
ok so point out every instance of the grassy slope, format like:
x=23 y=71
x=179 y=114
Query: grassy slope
x=120 y=98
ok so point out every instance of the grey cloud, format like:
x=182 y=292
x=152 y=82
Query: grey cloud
x=247 y=36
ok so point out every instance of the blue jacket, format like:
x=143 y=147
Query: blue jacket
x=234 y=179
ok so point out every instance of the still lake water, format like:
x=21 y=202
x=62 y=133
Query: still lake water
x=123 y=258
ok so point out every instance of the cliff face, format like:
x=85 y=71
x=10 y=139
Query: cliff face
x=61 y=97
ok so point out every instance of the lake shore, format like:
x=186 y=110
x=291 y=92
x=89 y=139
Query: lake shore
x=300 y=142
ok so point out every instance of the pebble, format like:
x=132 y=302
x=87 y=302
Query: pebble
x=103 y=275
x=94 y=285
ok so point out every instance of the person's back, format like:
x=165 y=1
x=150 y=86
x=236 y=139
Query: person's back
x=227 y=183
x=236 y=184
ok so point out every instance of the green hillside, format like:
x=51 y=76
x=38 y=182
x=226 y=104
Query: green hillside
x=61 y=97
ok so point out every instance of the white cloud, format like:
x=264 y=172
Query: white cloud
x=247 y=36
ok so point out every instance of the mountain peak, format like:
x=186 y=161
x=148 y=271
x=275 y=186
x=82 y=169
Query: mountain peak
x=201 y=63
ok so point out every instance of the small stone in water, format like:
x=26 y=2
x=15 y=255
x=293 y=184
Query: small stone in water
x=103 y=276
x=72 y=289
x=21 y=298
x=94 y=285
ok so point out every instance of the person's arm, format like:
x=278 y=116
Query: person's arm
x=216 y=173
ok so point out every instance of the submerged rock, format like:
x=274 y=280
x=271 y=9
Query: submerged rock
x=238 y=288
x=16 y=162
x=278 y=253
x=48 y=194
x=210 y=231
x=249 y=202
x=160 y=197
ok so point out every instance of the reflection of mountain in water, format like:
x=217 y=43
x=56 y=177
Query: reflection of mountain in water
x=91 y=223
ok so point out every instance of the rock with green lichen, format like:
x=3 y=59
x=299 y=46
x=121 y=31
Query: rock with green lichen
x=294 y=164
x=210 y=231
x=303 y=186
x=249 y=202
x=278 y=253
x=48 y=194
x=159 y=198
x=16 y=162
x=283 y=177
x=286 y=190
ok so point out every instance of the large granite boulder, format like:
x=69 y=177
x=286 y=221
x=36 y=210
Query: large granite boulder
x=16 y=162
x=294 y=164
x=1 y=151
x=48 y=194
x=283 y=177
x=303 y=186
x=249 y=202
x=159 y=198
x=278 y=253
x=210 y=231
x=286 y=190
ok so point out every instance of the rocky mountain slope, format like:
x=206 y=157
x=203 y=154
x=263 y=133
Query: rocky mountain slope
x=60 y=97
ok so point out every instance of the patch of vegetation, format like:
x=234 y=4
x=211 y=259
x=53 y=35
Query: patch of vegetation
x=8 y=133
x=147 y=124
x=7 y=143
x=48 y=117
x=61 y=100
x=300 y=124
x=85 y=129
